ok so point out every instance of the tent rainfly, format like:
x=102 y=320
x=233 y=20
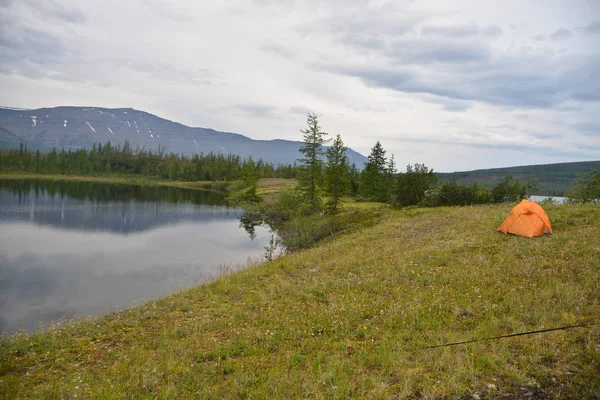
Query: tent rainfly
x=527 y=219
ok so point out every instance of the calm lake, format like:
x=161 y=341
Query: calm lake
x=555 y=199
x=80 y=248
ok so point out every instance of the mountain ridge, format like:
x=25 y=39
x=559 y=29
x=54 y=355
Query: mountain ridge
x=72 y=127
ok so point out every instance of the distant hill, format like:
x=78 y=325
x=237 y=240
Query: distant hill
x=76 y=127
x=552 y=179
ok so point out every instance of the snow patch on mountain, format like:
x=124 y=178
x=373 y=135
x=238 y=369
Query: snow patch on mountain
x=14 y=108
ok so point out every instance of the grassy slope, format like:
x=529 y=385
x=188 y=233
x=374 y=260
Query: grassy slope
x=349 y=319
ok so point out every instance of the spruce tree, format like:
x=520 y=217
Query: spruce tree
x=337 y=181
x=374 y=182
x=391 y=166
x=311 y=164
x=250 y=183
x=250 y=174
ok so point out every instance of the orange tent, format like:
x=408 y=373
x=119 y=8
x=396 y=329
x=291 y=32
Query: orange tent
x=527 y=219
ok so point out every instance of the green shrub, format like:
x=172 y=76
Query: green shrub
x=586 y=189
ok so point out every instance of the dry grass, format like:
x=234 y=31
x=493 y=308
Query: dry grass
x=270 y=188
x=124 y=179
x=349 y=319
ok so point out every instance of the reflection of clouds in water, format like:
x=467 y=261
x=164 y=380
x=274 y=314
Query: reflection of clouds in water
x=171 y=245
x=45 y=272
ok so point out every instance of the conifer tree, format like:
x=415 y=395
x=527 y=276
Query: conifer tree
x=374 y=182
x=311 y=164
x=250 y=174
x=337 y=181
x=250 y=183
x=391 y=166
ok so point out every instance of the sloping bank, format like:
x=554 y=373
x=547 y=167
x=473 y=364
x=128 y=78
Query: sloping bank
x=350 y=319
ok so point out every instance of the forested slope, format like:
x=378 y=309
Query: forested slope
x=552 y=179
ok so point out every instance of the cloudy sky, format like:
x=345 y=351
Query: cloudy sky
x=454 y=84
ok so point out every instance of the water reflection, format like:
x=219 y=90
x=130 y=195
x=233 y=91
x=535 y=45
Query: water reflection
x=88 y=205
x=65 y=251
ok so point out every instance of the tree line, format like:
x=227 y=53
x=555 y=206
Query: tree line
x=122 y=159
x=331 y=178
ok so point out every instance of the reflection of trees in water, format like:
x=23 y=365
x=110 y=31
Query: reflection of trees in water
x=249 y=221
x=108 y=192
x=108 y=207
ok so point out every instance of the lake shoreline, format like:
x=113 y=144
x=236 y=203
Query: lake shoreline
x=120 y=179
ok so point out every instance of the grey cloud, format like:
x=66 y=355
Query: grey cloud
x=591 y=95
x=457 y=63
x=547 y=135
x=32 y=51
x=49 y=10
x=588 y=128
x=361 y=41
x=54 y=10
x=368 y=22
x=449 y=104
x=456 y=106
x=373 y=23
x=505 y=126
x=18 y=44
x=537 y=148
x=417 y=50
x=257 y=110
x=167 y=72
x=421 y=51
x=300 y=110
x=539 y=38
x=561 y=34
x=589 y=148
x=593 y=28
x=167 y=10
x=176 y=16
x=277 y=50
x=461 y=30
x=541 y=84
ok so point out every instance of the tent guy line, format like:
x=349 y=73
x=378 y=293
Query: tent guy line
x=512 y=335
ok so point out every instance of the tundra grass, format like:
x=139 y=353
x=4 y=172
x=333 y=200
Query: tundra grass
x=270 y=188
x=351 y=319
x=119 y=179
